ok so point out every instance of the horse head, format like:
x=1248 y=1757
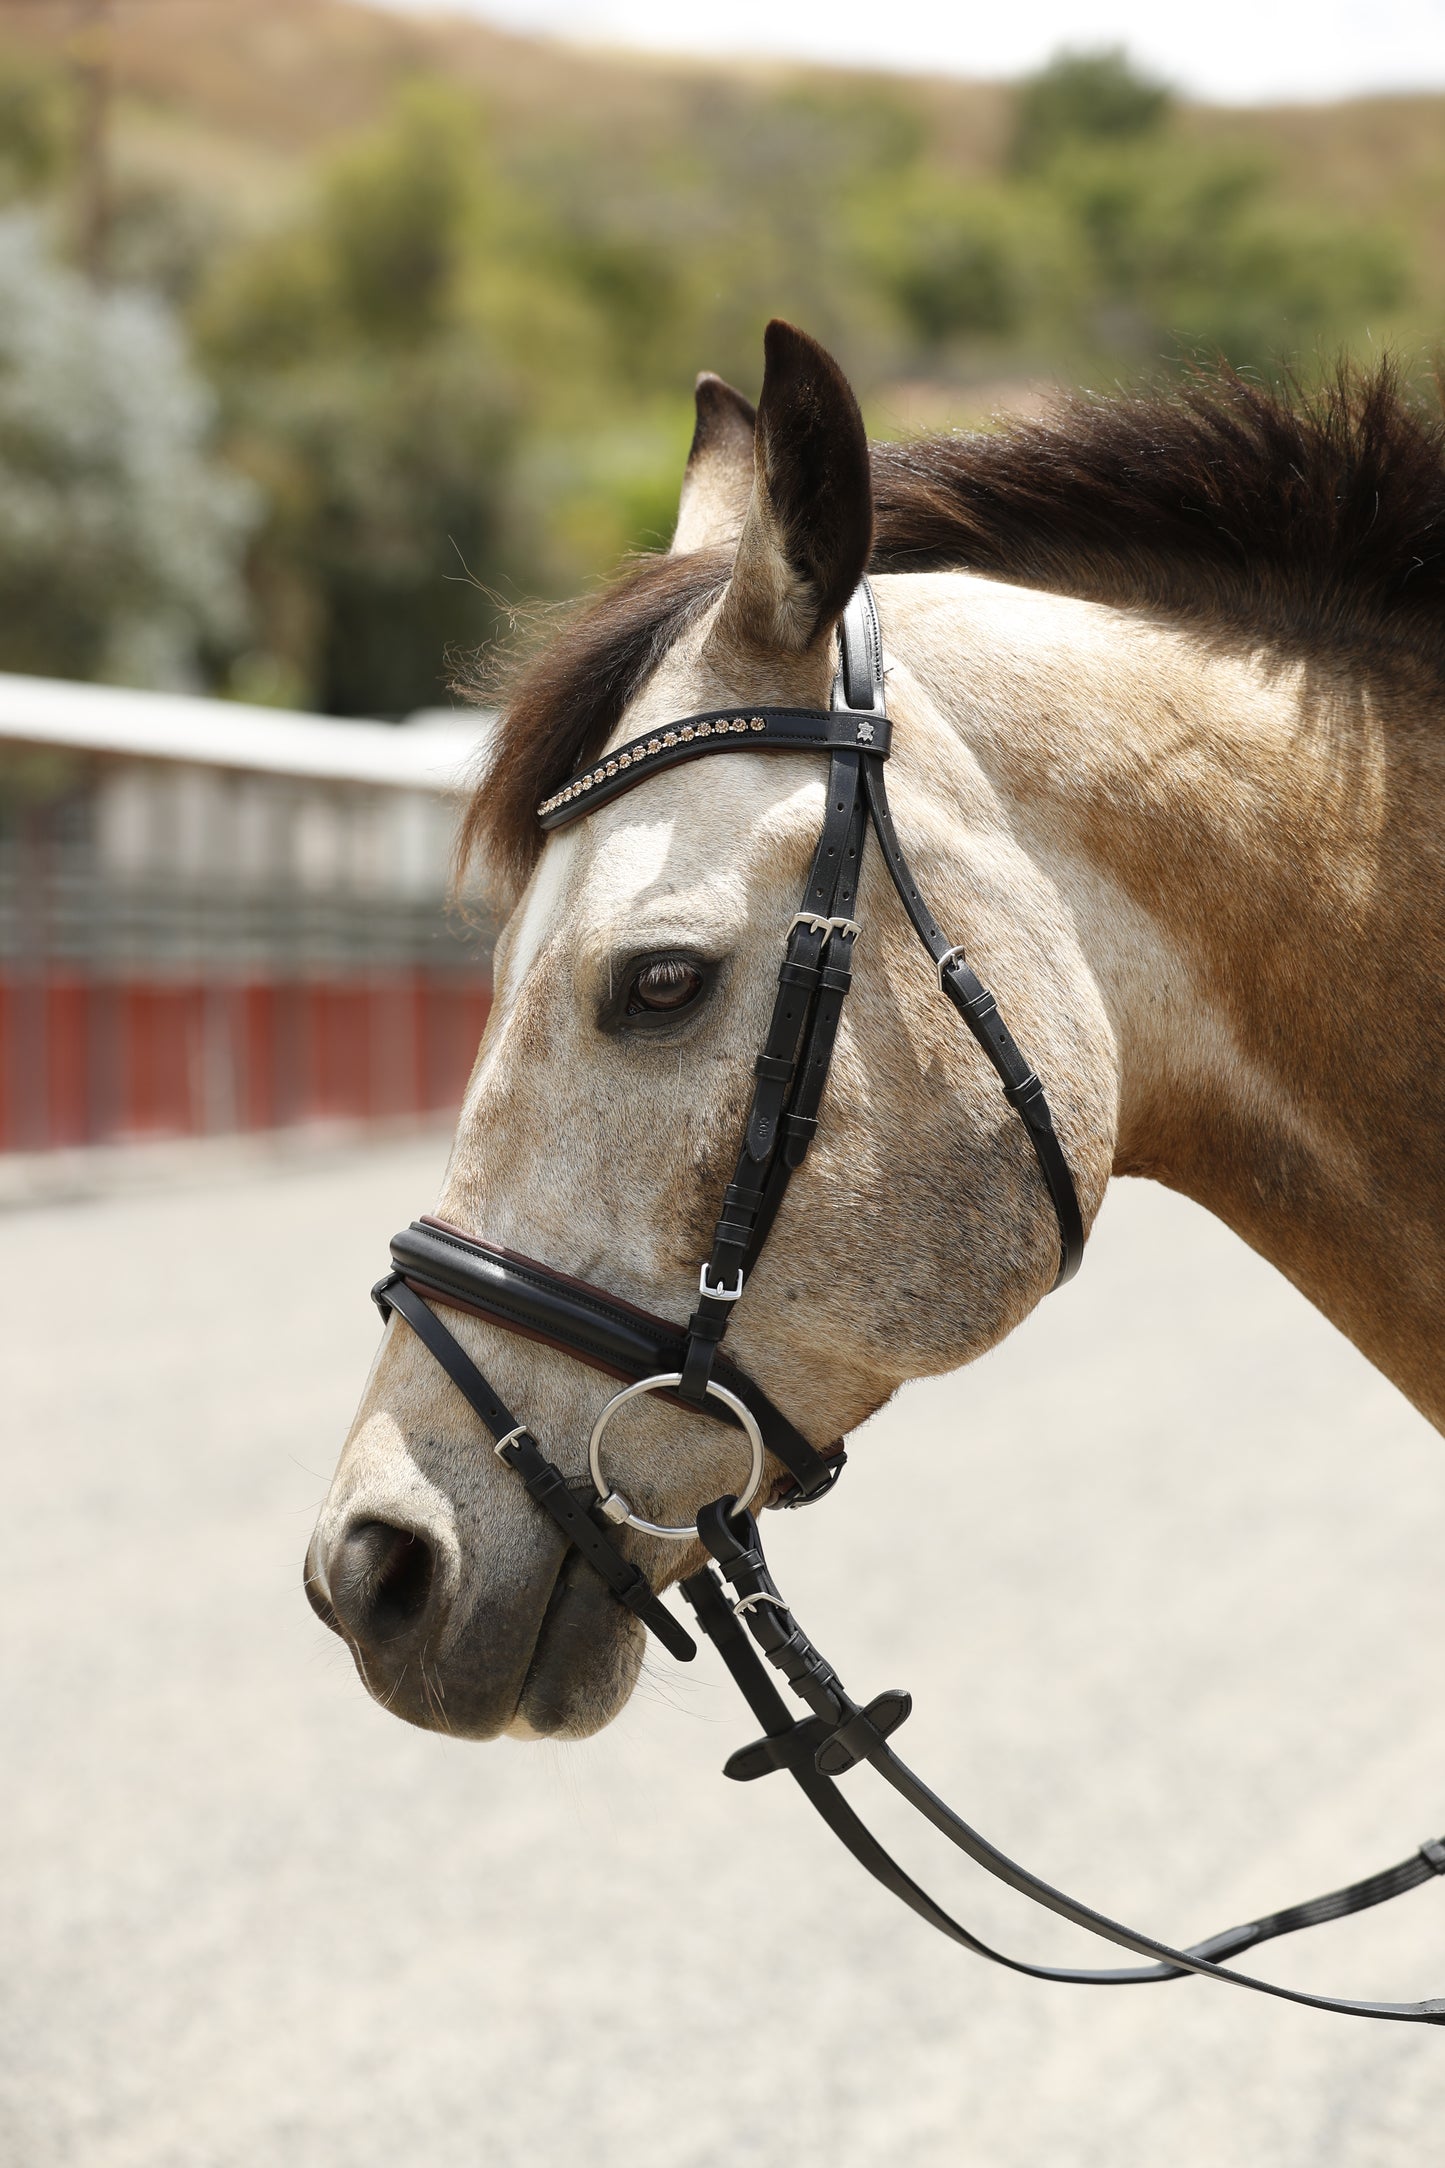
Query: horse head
x=634 y=980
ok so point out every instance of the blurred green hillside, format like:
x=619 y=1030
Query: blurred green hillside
x=431 y=298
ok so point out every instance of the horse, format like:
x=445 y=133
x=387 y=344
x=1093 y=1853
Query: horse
x=1165 y=677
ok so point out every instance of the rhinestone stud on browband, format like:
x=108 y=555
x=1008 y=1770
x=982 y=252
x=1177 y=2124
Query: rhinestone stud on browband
x=633 y=756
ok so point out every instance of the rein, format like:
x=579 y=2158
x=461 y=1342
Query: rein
x=435 y=1265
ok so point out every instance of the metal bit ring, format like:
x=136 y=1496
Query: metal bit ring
x=613 y=1502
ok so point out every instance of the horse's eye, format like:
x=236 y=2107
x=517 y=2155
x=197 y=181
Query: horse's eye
x=668 y=984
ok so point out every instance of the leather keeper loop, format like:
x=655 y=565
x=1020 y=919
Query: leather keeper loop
x=698 y=1361
x=637 y=1595
x=708 y=1325
x=799 y=1131
x=773 y=1068
x=975 y=1006
x=1026 y=1097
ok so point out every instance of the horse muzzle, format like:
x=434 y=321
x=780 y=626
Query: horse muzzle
x=547 y=1655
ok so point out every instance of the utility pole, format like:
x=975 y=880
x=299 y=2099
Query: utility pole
x=91 y=65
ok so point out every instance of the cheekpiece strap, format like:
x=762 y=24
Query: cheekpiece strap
x=722 y=730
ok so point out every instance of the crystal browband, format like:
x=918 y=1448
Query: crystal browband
x=668 y=739
x=782 y=730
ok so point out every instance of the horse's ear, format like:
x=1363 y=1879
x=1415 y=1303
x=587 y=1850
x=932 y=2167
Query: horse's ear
x=719 y=477
x=809 y=528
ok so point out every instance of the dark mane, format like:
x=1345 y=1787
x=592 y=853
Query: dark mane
x=1310 y=519
x=1313 y=516
x=560 y=702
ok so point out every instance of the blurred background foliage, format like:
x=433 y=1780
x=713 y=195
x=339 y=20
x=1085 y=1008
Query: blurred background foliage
x=326 y=336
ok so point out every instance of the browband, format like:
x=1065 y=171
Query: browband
x=461 y=1272
x=721 y=730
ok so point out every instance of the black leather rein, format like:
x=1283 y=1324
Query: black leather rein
x=437 y=1265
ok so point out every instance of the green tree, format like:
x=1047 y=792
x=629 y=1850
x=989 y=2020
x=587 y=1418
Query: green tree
x=1178 y=243
x=121 y=538
x=968 y=265
x=34 y=126
x=1084 y=98
x=366 y=401
x=382 y=475
x=466 y=348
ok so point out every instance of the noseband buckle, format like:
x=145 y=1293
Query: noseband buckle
x=720 y=1293
x=816 y=923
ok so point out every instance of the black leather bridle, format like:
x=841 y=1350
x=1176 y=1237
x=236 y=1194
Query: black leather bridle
x=438 y=1265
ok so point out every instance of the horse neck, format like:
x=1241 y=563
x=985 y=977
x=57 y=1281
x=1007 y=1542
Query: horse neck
x=1249 y=849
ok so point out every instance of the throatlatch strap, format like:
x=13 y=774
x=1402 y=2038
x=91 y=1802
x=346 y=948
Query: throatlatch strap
x=862 y=653
x=544 y=1482
x=976 y=1005
x=839 y=1734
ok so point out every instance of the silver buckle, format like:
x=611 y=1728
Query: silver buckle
x=946 y=959
x=745 y=1604
x=823 y=925
x=720 y=1293
x=520 y=1431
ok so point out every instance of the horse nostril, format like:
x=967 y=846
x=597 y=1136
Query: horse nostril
x=380 y=1580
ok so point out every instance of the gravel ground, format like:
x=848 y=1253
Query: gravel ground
x=1163 y=1575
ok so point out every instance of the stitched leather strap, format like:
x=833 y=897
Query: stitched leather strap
x=858 y=722
x=803 y=1749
